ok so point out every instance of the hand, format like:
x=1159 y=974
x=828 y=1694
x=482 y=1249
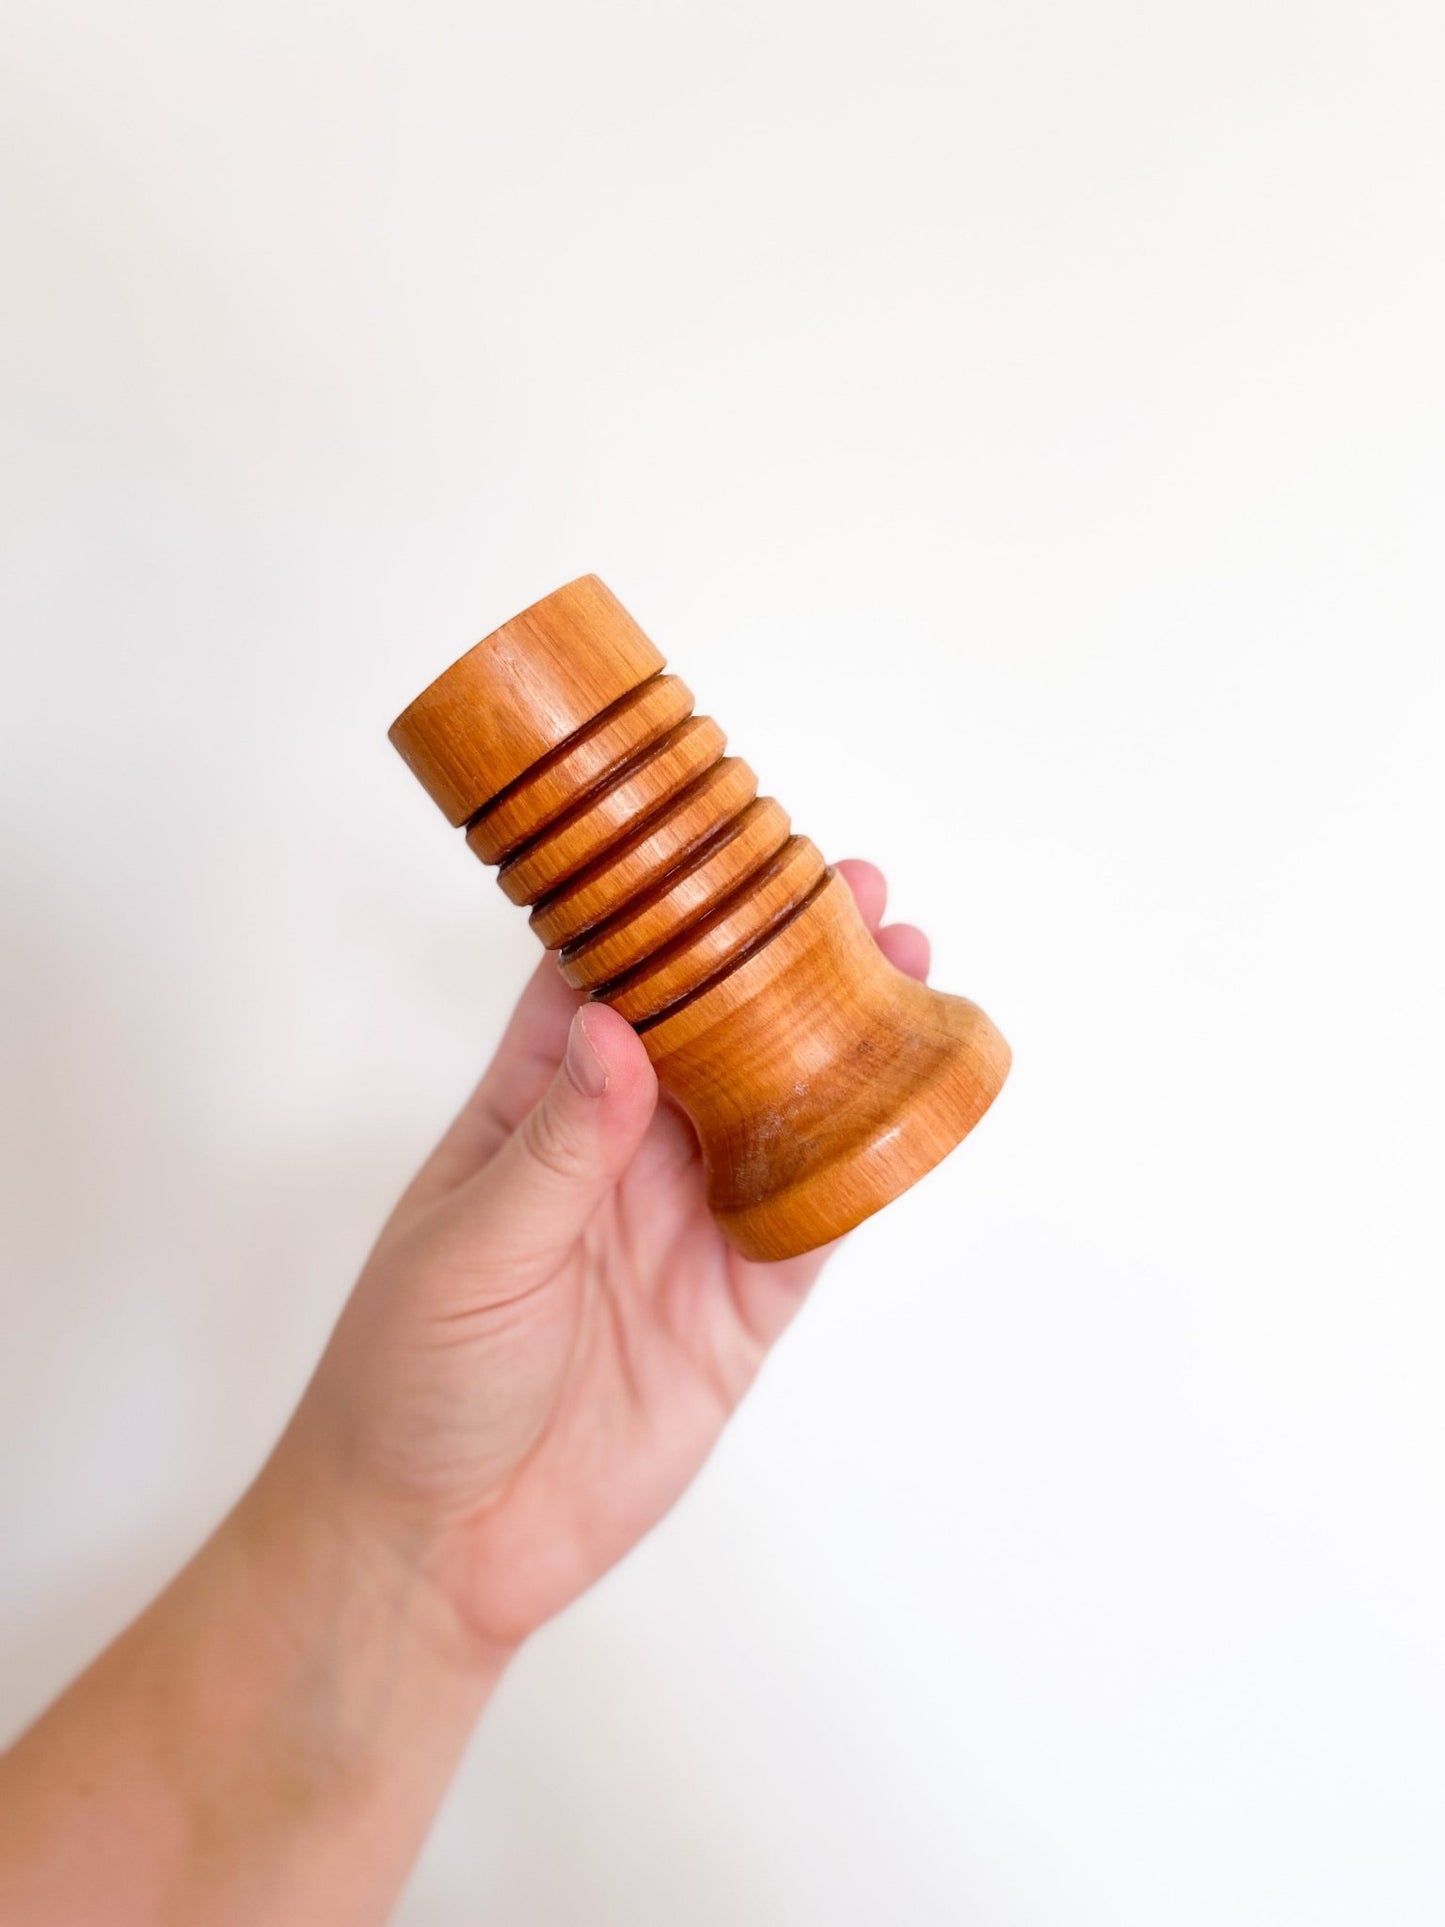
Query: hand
x=551 y=1331
x=537 y=1358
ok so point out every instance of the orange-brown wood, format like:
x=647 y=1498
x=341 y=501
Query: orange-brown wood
x=551 y=788
x=710 y=948
x=634 y=794
x=821 y=1081
x=684 y=895
x=520 y=693
x=646 y=857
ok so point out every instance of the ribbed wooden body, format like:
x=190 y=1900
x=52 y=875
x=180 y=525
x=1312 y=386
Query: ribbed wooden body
x=821 y=1080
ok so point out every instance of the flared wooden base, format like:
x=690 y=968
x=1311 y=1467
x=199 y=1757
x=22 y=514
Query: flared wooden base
x=821 y=1081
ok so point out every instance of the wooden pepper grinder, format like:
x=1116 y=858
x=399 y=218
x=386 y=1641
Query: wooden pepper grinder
x=820 y=1080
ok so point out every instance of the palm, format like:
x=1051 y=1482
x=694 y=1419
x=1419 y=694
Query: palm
x=549 y=1412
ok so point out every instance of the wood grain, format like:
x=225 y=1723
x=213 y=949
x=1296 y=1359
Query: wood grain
x=633 y=796
x=651 y=919
x=551 y=787
x=647 y=855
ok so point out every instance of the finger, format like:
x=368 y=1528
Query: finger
x=869 y=887
x=532 y=1044
x=536 y=1031
x=532 y=1202
x=521 y=1068
x=769 y=1296
x=906 y=948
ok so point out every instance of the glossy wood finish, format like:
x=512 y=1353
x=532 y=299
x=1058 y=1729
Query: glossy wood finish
x=521 y=692
x=554 y=784
x=743 y=920
x=821 y=1081
x=864 y=1081
x=645 y=858
x=641 y=790
x=683 y=897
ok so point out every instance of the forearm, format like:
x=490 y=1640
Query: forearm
x=268 y=1742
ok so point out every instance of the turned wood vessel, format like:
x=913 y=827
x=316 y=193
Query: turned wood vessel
x=820 y=1080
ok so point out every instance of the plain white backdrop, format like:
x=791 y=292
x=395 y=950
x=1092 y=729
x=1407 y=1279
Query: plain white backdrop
x=1023 y=425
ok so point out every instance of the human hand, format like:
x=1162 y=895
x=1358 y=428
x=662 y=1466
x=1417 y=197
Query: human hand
x=551 y=1331
x=538 y=1356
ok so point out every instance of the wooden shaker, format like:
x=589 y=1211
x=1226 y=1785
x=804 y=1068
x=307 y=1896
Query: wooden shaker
x=820 y=1080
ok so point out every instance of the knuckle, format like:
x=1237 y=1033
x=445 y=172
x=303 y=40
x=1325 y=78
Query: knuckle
x=549 y=1145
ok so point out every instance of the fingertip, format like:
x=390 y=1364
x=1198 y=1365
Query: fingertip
x=906 y=948
x=869 y=887
x=620 y=1052
x=586 y=1067
x=547 y=996
x=575 y=1142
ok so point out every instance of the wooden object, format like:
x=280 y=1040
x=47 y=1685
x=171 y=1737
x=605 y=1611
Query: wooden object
x=821 y=1081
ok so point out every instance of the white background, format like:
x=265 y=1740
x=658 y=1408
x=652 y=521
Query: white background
x=1022 y=425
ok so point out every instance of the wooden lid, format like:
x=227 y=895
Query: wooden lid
x=521 y=692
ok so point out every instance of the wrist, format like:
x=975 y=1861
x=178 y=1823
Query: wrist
x=431 y=1552
x=326 y=1558
x=269 y=1740
x=335 y=1696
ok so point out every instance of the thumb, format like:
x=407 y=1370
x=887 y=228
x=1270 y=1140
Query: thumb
x=535 y=1197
